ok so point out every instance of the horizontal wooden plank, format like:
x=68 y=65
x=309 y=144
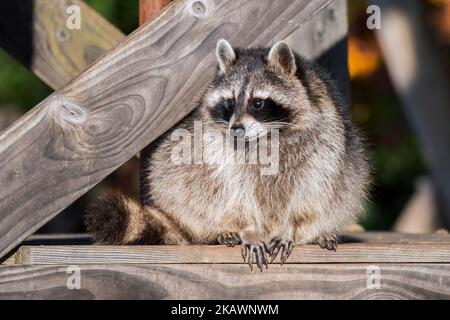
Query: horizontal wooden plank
x=129 y=97
x=311 y=281
x=395 y=237
x=55 y=53
x=358 y=237
x=346 y=253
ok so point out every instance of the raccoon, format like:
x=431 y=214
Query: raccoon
x=318 y=189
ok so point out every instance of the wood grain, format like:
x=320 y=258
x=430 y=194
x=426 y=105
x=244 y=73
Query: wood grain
x=355 y=237
x=366 y=238
x=323 y=39
x=311 y=281
x=55 y=53
x=347 y=253
x=130 y=96
x=147 y=10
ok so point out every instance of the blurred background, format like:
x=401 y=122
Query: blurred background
x=402 y=197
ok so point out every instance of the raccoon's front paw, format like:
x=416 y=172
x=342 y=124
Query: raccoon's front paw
x=259 y=249
x=327 y=242
x=229 y=238
x=284 y=245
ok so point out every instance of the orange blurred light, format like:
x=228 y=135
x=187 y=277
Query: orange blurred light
x=363 y=57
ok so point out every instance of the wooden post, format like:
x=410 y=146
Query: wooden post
x=420 y=80
x=35 y=32
x=79 y=135
x=323 y=39
x=147 y=9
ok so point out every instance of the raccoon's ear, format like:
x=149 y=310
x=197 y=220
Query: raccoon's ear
x=281 y=58
x=225 y=55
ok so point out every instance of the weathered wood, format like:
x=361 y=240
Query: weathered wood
x=31 y=255
x=79 y=135
x=414 y=267
x=55 y=53
x=40 y=255
x=309 y=281
x=147 y=10
x=412 y=252
x=356 y=237
x=323 y=39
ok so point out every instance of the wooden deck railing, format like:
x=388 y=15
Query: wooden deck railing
x=365 y=266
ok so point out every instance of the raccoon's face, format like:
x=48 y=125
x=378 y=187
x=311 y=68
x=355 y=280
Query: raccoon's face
x=255 y=90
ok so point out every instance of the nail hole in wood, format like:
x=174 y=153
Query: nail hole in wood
x=62 y=35
x=198 y=9
x=73 y=113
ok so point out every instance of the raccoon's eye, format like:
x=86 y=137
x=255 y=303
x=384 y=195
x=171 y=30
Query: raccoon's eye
x=258 y=104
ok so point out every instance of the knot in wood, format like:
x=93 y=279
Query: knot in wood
x=72 y=113
x=198 y=9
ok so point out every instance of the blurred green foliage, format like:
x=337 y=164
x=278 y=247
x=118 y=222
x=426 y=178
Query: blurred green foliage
x=19 y=88
x=124 y=14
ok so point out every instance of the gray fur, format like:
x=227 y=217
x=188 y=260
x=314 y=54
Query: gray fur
x=323 y=177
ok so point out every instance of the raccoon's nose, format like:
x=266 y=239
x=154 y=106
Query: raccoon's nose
x=238 y=130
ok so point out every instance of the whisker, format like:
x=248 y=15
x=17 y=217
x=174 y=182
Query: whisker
x=280 y=125
x=225 y=123
x=275 y=120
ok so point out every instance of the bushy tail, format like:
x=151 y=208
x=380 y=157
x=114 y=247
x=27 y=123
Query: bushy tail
x=117 y=220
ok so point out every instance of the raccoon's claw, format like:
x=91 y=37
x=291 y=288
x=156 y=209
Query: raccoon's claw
x=277 y=244
x=260 y=251
x=229 y=238
x=327 y=242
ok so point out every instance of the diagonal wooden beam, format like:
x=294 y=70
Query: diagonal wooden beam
x=419 y=77
x=35 y=32
x=129 y=97
x=147 y=10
